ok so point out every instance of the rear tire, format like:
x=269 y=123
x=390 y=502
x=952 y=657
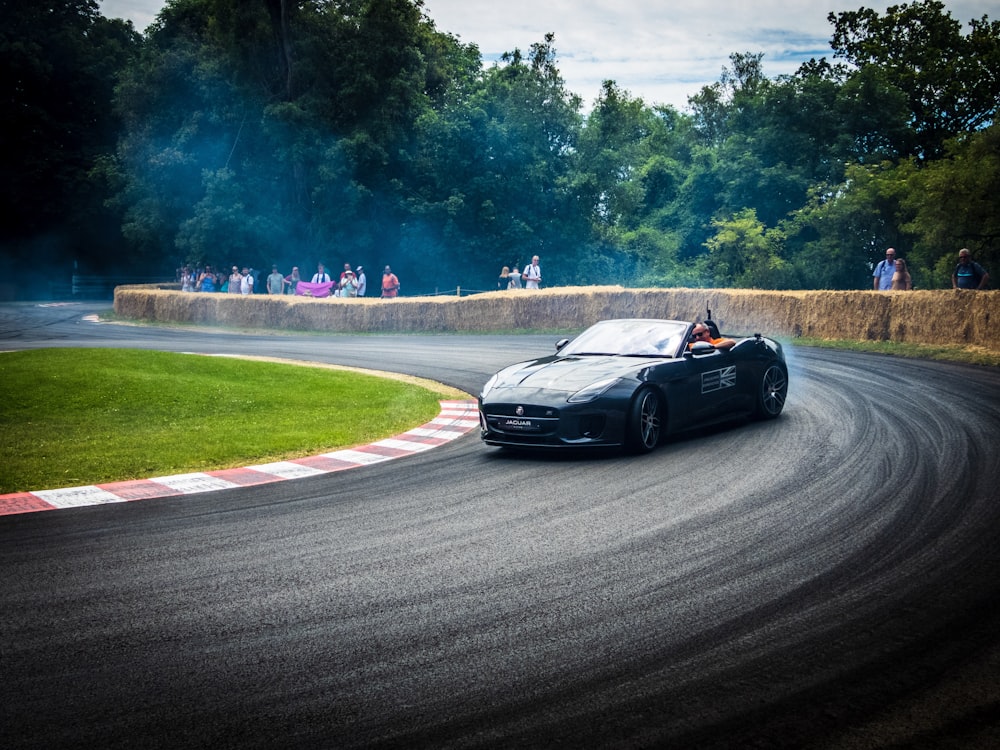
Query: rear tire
x=642 y=430
x=771 y=392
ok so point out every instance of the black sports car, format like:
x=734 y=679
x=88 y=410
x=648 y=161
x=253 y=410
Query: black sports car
x=627 y=382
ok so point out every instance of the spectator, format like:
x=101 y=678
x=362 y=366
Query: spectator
x=533 y=274
x=343 y=274
x=362 y=282
x=901 y=280
x=884 y=269
x=187 y=279
x=206 y=282
x=390 y=284
x=275 y=282
x=321 y=276
x=234 y=281
x=348 y=284
x=515 y=279
x=504 y=281
x=968 y=274
x=292 y=280
x=246 y=282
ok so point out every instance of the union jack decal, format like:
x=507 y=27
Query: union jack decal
x=716 y=380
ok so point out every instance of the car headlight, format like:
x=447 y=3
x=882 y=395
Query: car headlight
x=592 y=391
x=489 y=385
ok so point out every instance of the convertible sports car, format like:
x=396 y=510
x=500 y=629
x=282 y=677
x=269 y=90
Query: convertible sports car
x=626 y=383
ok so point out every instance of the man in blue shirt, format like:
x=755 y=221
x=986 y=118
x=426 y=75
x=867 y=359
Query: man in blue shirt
x=882 y=277
x=968 y=274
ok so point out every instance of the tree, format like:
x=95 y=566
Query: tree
x=729 y=105
x=835 y=239
x=948 y=80
x=497 y=163
x=184 y=118
x=60 y=60
x=625 y=166
x=744 y=253
x=298 y=121
x=953 y=204
x=611 y=150
x=260 y=131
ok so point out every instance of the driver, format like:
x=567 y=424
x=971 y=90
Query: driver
x=700 y=333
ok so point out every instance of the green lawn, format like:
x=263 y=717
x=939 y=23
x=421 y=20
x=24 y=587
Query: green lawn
x=72 y=417
x=970 y=355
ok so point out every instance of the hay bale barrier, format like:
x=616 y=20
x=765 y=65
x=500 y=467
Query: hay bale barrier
x=945 y=317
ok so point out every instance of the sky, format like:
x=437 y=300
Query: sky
x=660 y=50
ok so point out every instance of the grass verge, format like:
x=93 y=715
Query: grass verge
x=73 y=417
x=970 y=355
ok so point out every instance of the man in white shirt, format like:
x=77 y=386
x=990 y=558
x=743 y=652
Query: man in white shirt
x=246 y=282
x=321 y=276
x=533 y=274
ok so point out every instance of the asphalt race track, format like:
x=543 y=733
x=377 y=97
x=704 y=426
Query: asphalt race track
x=830 y=579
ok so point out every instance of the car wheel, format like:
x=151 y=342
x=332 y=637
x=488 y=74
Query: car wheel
x=772 y=392
x=643 y=426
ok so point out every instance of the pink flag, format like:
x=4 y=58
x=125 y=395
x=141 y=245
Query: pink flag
x=308 y=289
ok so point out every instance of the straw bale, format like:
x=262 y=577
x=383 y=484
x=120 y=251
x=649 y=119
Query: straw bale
x=924 y=317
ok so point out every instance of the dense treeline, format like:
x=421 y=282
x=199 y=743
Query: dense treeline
x=298 y=131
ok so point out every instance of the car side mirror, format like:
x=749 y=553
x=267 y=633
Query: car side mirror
x=561 y=343
x=701 y=348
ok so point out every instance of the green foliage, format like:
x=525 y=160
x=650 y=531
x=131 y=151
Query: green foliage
x=970 y=355
x=844 y=229
x=744 y=253
x=953 y=204
x=59 y=60
x=495 y=168
x=262 y=131
x=947 y=79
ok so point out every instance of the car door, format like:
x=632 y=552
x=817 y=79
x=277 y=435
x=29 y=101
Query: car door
x=711 y=385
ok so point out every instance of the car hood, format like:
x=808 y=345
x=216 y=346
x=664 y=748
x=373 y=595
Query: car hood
x=570 y=374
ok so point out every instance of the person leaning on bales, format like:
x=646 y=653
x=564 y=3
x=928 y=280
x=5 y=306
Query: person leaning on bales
x=968 y=274
x=884 y=269
x=901 y=281
x=390 y=284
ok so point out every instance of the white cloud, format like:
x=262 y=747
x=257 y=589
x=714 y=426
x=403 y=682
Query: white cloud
x=661 y=50
x=140 y=12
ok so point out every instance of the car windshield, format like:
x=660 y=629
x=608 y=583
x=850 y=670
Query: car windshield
x=625 y=338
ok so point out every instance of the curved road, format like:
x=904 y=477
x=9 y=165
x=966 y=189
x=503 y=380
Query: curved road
x=830 y=579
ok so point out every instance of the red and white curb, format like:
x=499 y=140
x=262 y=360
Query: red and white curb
x=455 y=419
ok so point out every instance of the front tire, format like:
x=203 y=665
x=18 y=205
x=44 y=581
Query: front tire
x=772 y=392
x=642 y=430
